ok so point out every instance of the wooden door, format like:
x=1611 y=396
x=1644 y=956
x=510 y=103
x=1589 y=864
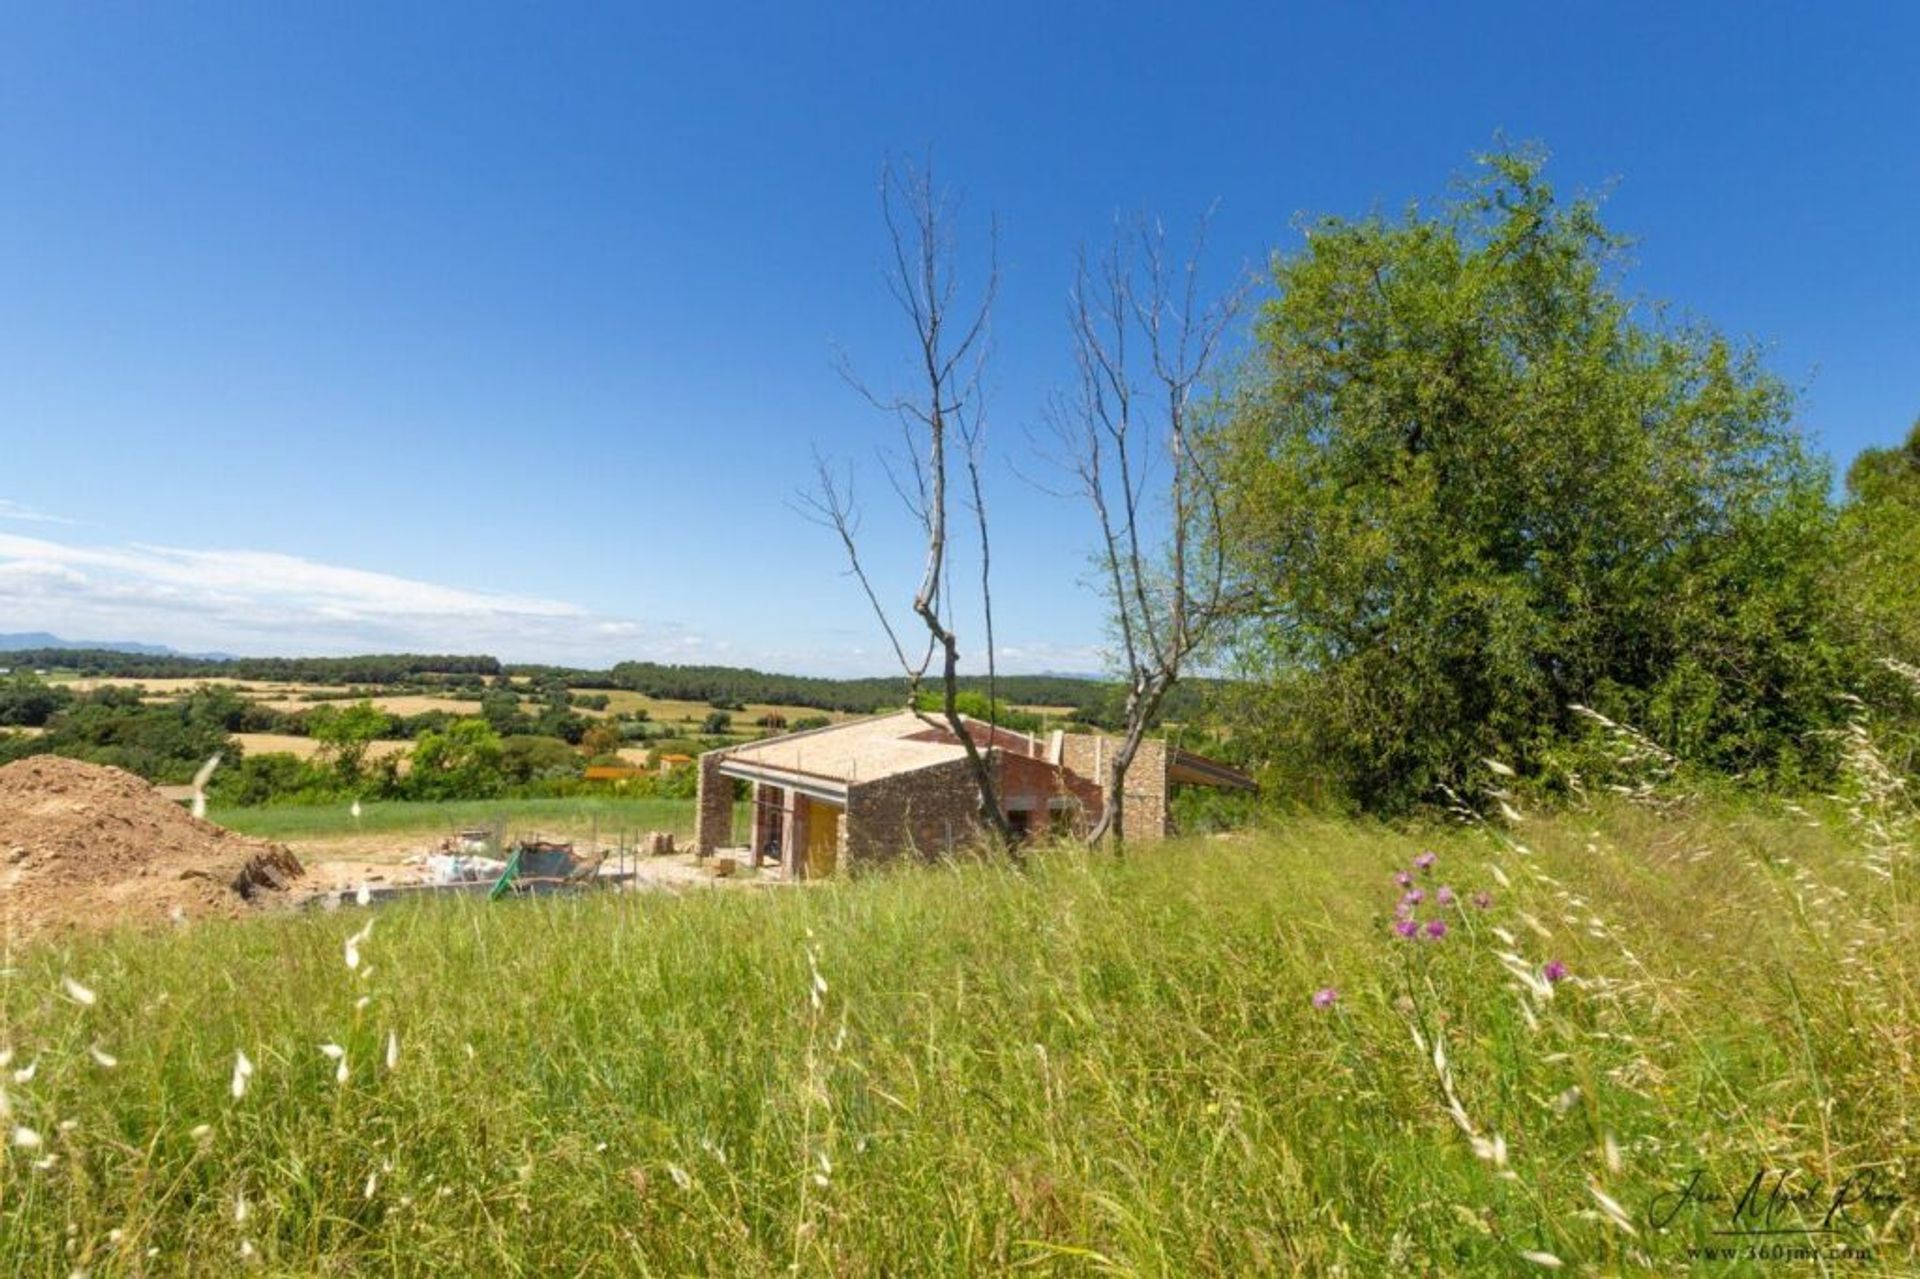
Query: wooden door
x=823 y=838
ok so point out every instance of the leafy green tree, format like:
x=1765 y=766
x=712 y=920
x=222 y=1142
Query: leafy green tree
x=528 y=758
x=1877 y=582
x=716 y=723
x=500 y=707
x=601 y=738
x=163 y=742
x=27 y=701
x=465 y=762
x=975 y=705
x=345 y=733
x=271 y=777
x=1473 y=484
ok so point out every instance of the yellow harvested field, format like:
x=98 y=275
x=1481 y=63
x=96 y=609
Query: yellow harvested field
x=399 y=704
x=294 y=697
x=674 y=711
x=306 y=747
x=420 y=704
x=175 y=687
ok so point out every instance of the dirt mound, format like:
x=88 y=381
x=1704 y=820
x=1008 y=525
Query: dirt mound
x=83 y=845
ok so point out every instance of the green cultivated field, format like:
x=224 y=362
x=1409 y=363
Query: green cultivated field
x=1093 y=1067
x=573 y=815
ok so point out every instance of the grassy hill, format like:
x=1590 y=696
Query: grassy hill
x=1090 y=1067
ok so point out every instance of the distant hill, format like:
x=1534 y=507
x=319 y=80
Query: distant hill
x=21 y=641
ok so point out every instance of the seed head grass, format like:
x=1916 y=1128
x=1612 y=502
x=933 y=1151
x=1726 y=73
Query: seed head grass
x=1089 y=1066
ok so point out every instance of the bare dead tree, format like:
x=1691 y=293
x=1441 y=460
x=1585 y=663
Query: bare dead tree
x=1145 y=345
x=945 y=413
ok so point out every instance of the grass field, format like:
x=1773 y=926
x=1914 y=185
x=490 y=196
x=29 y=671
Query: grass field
x=1091 y=1067
x=569 y=816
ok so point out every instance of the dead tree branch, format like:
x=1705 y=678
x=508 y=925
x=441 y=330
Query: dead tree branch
x=945 y=412
x=1161 y=545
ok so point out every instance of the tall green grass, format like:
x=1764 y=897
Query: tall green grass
x=1088 y=1067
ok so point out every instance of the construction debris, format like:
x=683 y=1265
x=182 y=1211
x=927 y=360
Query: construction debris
x=460 y=868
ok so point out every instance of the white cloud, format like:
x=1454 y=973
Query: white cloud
x=10 y=510
x=1041 y=656
x=265 y=602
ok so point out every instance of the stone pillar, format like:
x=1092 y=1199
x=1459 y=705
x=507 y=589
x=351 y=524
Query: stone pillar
x=1149 y=810
x=713 y=816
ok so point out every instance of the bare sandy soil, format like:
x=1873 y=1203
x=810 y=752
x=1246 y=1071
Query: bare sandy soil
x=83 y=845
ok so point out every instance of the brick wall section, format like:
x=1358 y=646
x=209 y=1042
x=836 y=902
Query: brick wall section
x=1034 y=784
x=713 y=818
x=923 y=813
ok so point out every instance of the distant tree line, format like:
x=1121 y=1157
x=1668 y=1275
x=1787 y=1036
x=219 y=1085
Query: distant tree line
x=1092 y=701
x=380 y=669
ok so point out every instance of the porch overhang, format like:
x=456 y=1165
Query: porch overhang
x=813 y=785
x=1197 y=770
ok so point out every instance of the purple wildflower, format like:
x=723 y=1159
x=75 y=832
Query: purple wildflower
x=1425 y=861
x=1414 y=897
x=1403 y=879
x=1483 y=899
x=1405 y=927
x=1444 y=895
x=1436 y=928
x=1403 y=910
x=1554 y=971
x=1325 y=997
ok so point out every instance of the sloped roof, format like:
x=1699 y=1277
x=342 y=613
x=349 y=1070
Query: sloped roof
x=863 y=750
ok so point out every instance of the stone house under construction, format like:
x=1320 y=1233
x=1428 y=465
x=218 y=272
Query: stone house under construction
x=866 y=790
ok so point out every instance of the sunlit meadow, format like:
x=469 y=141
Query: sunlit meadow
x=1220 y=1057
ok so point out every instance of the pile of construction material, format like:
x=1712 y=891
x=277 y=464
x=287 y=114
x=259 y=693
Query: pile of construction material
x=460 y=868
x=87 y=846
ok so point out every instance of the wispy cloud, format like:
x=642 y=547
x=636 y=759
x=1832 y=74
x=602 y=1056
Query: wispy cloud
x=11 y=510
x=1037 y=656
x=266 y=602
x=263 y=602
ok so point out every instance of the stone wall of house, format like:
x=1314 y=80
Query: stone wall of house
x=1147 y=812
x=926 y=813
x=713 y=816
x=1083 y=754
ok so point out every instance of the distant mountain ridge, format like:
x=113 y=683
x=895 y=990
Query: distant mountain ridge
x=21 y=641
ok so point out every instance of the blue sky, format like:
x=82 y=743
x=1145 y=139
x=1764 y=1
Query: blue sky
x=512 y=329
